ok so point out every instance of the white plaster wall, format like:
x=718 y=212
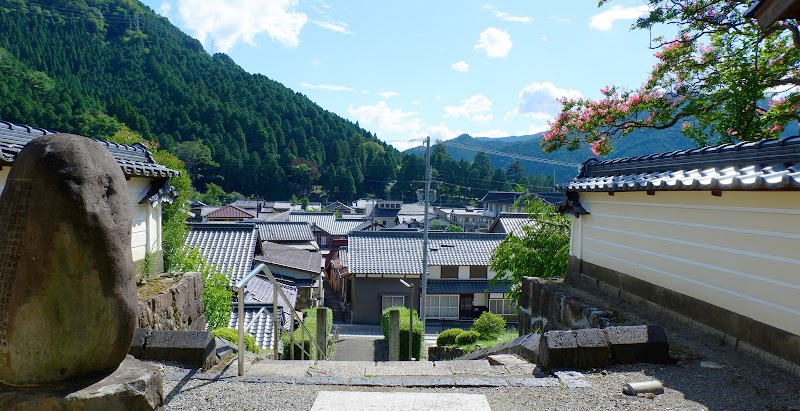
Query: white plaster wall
x=463 y=272
x=434 y=272
x=738 y=251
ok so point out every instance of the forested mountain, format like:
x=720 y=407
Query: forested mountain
x=89 y=66
x=636 y=144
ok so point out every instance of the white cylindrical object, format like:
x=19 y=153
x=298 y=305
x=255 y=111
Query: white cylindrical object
x=634 y=388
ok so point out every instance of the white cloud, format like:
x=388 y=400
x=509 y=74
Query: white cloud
x=506 y=16
x=540 y=100
x=339 y=27
x=605 y=20
x=327 y=87
x=560 y=20
x=388 y=94
x=164 y=8
x=440 y=132
x=495 y=42
x=229 y=22
x=475 y=108
x=385 y=117
x=460 y=66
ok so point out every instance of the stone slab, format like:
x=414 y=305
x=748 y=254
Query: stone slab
x=402 y=368
x=134 y=385
x=139 y=342
x=381 y=401
x=643 y=343
x=340 y=368
x=429 y=382
x=533 y=382
x=470 y=367
x=479 y=382
x=573 y=379
x=294 y=368
x=529 y=347
x=185 y=347
x=376 y=381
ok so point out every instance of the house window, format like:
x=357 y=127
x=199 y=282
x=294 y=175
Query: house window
x=392 y=301
x=323 y=241
x=477 y=271
x=442 y=306
x=502 y=306
x=449 y=271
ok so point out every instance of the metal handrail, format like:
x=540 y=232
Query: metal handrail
x=240 y=287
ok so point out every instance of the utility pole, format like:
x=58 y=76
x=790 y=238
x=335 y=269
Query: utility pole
x=424 y=278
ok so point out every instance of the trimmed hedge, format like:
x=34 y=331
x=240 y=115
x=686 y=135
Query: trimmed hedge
x=419 y=335
x=467 y=337
x=448 y=337
x=489 y=325
x=232 y=335
x=305 y=341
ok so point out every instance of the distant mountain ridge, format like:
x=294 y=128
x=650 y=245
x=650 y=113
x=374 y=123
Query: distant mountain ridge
x=637 y=143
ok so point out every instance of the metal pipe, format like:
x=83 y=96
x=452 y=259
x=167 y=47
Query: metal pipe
x=424 y=277
x=411 y=325
x=241 y=330
x=253 y=320
x=275 y=333
x=291 y=338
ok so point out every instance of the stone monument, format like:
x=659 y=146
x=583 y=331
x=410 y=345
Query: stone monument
x=67 y=286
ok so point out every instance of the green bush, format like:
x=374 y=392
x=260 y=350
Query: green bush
x=448 y=337
x=303 y=340
x=419 y=336
x=467 y=338
x=232 y=335
x=489 y=325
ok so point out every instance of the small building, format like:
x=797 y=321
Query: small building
x=468 y=218
x=330 y=232
x=512 y=223
x=384 y=212
x=299 y=268
x=458 y=280
x=337 y=274
x=148 y=188
x=711 y=234
x=295 y=234
x=228 y=213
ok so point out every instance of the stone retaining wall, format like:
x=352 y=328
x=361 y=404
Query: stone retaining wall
x=545 y=305
x=179 y=307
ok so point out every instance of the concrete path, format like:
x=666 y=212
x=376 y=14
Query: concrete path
x=382 y=401
x=357 y=348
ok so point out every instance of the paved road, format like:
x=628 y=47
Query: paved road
x=359 y=348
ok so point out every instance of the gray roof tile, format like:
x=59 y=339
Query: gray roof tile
x=135 y=160
x=261 y=330
x=285 y=231
x=231 y=246
x=328 y=222
x=389 y=252
x=286 y=256
x=760 y=165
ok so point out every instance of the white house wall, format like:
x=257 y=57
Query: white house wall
x=738 y=251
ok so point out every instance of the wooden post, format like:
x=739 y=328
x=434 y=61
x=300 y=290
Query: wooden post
x=394 y=335
x=322 y=333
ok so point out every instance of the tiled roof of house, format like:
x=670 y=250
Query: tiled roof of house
x=338 y=205
x=231 y=247
x=550 y=198
x=260 y=291
x=135 y=160
x=390 y=252
x=261 y=330
x=328 y=222
x=761 y=165
x=467 y=286
x=285 y=231
x=229 y=211
x=385 y=212
x=511 y=224
x=291 y=257
x=501 y=197
x=247 y=204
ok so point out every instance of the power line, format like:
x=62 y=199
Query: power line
x=511 y=155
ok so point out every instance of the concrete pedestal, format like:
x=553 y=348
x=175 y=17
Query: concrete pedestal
x=134 y=386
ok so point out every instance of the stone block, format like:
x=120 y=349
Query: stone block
x=139 y=342
x=558 y=349
x=641 y=343
x=134 y=386
x=186 y=347
x=593 y=348
x=529 y=348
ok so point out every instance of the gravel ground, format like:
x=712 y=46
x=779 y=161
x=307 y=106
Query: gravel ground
x=742 y=382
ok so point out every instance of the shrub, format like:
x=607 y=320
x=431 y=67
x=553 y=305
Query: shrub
x=418 y=333
x=448 y=337
x=232 y=335
x=467 y=338
x=489 y=325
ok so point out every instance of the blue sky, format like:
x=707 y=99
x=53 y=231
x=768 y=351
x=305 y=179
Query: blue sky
x=409 y=69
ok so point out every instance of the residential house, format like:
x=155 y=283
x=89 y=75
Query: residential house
x=228 y=213
x=148 y=188
x=229 y=246
x=468 y=218
x=511 y=223
x=299 y=268
x=337 y=275
x=295 y=234
x=711 y=234
x=385 y=212
x=497 y=202
x=338 y=206
x=458 y=283
x=330 y=232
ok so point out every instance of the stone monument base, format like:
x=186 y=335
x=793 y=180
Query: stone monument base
x=134 y=385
